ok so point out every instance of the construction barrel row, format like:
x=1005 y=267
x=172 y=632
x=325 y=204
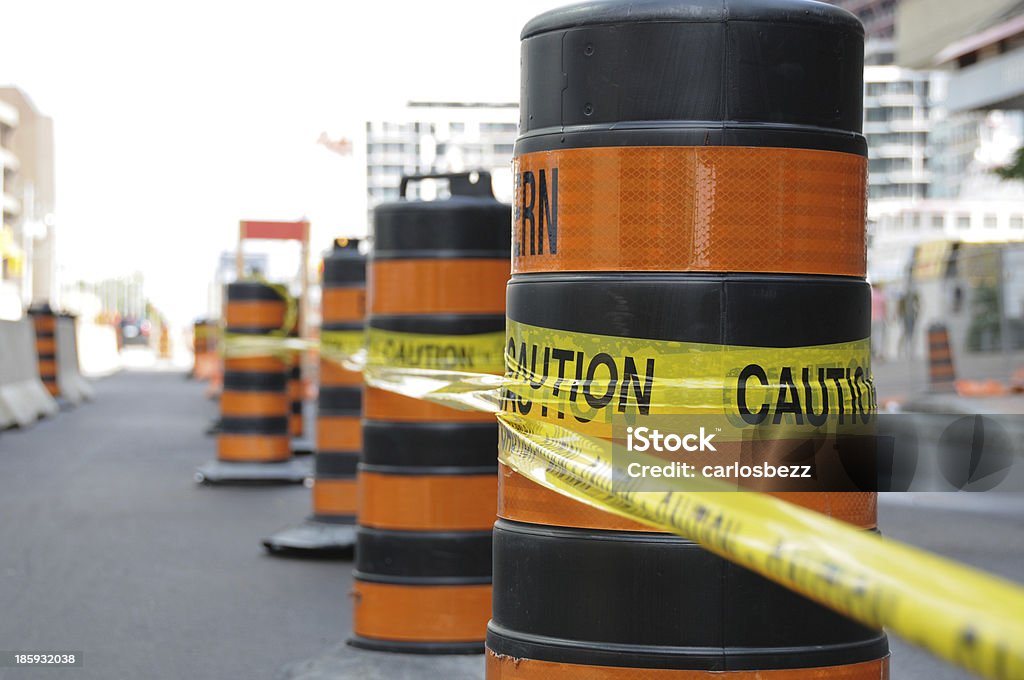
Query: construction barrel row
x=677 y=248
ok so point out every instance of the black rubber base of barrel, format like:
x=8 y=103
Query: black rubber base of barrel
x=303 y=446
x=416 y=647
x=313 y=539
x=423 y=557
x=652 y=600
x=430 y=445
x=221 y=472
x=214 y=427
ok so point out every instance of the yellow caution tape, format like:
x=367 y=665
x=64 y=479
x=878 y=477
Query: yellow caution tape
x=476 y=352
x=420 y=364
x=346 y=348
x=589 y=381
x=240 y=346
x=291 y=311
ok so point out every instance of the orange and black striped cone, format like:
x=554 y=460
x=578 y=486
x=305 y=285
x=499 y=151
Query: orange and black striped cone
x=253 y=443
x=427 y=480
x=330 y=529
x=721 y=207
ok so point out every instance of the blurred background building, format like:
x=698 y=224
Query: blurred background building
x=431 y=137
x=28 y=198
x=943 y=89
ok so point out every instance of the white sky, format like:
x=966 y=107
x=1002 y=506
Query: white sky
x=176 y=119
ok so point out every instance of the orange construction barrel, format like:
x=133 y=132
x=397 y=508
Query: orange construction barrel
x=688 y=241
x=331 y=527
x=253 y=443
x=427 y=480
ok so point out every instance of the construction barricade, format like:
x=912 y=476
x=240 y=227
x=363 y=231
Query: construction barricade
x=23 y=396
x=253 y=443
x=331 y=527
x=427 y=479
x=665 y=267
x=72 y=386
x=44 y=320
x=204 y=349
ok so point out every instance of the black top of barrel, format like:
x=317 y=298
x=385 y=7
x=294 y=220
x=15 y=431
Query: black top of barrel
x=714 y=62
x=471 y=223
x=701 y=11
x=344 y=264
x=41 y=309
x=252 y=290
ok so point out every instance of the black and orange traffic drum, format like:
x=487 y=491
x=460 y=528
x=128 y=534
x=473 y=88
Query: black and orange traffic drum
x=44 y=320
x=331 y=527
x=428 y=478
x=253 y=441
x=688 y=242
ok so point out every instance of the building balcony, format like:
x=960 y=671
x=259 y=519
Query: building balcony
x=389 y=158
x=894 y=151
x=8 y=115
x=910 y=125
x=910 y=177
x=8 y=161
x=908 y=99
x=995 y=83
x=877 y=127
x=10 y=205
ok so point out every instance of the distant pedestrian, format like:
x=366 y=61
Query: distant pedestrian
x=879 y=319
x=909 y=308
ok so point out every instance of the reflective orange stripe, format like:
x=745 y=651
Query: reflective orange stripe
x=523 y=500
x=333 y=375
x=469 y=286
x=295 y=425
x=509 y=668
x=253 y=447
x=339 y=433
x=255 y=365
x=46 y=345
x=384 y=405
x=46 y=324
x=421 y=613
x=335 y=496
x=48 y=367
x=712 y=208
x=341 y=305
x=255 y=313
x=52 y=388
x=427 y=502
x=253 y=404
x=206 y=365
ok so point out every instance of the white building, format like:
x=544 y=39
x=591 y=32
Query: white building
x=896 y=124
x=27 y=199
x=895 y=227
x=431 y=137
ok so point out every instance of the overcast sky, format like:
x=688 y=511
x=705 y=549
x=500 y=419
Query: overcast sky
x=176 y=119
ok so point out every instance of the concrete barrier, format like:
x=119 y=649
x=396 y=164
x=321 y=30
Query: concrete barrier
x=23 y=398
x=73 y=386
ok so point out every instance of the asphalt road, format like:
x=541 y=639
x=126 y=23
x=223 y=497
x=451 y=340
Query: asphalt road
x=108 y=547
